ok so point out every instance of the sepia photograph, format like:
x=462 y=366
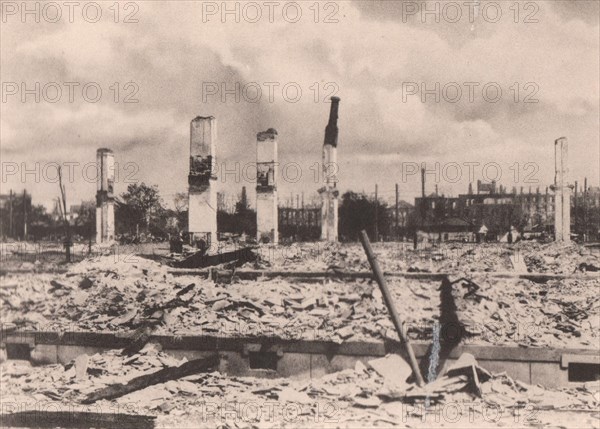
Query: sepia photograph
x=300 y=214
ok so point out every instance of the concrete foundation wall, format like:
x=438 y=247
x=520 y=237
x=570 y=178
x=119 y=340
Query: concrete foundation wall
x=303 y=359
x=314 y=365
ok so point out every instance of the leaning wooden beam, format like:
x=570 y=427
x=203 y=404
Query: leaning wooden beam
x=389 y=302
x=254 y=274
x=200 y=260
x=539 y=276
x=162 y=376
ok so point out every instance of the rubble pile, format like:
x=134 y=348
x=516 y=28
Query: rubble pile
x=25 y=299
x=141 y=297
x=318 y=256
x=479 y=258
x=443 y=257
x=373 y=393
x=112 y=294
x=558 y=258
x=108 y=296
x=557 y=313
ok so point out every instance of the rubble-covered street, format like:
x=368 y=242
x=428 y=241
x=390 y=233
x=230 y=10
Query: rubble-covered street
x=136 y=295
x=124 y=293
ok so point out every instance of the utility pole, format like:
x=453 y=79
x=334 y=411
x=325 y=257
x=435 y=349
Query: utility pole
x=10 y=218
x=576 y=223
x=303 y=213
x=376 y=215
x=546 y=207
x=24 y=215
x=585 y=189
x=422 y=209
x=397 y=202
x=66 y=219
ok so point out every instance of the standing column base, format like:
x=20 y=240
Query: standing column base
x=329 y=215
x=202 y=218
x=267 y=230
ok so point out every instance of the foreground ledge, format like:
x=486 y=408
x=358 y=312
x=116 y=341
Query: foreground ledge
x=304 y=359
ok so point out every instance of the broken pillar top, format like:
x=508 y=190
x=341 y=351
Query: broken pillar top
x=203 y=138
x=561 y=155
x=331 y=131
x=202 y=118
x=266 y=148
x=104 y=150
x=270 y=134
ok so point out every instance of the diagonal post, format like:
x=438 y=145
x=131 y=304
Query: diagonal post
x=387 y=297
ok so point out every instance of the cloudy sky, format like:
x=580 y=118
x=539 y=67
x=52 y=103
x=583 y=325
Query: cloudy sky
x=182 y=59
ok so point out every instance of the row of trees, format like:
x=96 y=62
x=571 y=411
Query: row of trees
x=140 y=211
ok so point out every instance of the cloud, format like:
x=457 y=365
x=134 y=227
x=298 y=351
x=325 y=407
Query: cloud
x=367 y=58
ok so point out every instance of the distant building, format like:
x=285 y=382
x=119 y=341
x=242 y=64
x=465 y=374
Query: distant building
x=15 y=209
x=74 y=212
x=399 y=227
x=300 y=223
x=528 y=212
x=449 y=229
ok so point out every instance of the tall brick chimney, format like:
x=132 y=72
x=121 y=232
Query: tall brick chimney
x=202 y=212
x=105 y=200
x=562 y=191
x=329 y=192
x=266 y=187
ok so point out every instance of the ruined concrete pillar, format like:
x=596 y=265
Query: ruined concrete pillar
x=267 y=229
x=202 y=212
x=329 y=192
x=105 y=200
x=562 y=191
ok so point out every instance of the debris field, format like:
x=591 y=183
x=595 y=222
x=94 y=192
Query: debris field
x=138 y=295
x=111 y=294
